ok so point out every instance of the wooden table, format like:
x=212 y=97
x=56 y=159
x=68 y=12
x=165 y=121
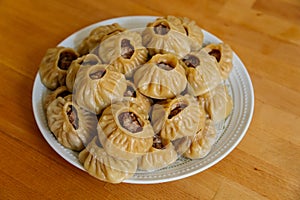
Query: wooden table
x=265 y=35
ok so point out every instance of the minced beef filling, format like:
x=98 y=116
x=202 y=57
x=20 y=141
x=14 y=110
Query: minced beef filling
x=161 y=29
x=127 y=49
x=175 y=111
x=191 y=61
x=65 y=60
x=72 y=116
x=165 y=66
x=130 y=92
x=98 y=74
x=216 y=53
x=130 y=122
x=157 y=142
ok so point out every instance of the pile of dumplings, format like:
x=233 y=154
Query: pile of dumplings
x=128 y=100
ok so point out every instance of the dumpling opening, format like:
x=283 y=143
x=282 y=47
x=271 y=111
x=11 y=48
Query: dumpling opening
x=186 y=30
x=97 y=74
x=161 y=28
x=63 y=94
x=127 y=49
x=157 y=142
x=130 y=122
x=215 y=53
x=130 y=92
x=73 y=117
x=177 y=109
x=191 y=61
x=65 y=59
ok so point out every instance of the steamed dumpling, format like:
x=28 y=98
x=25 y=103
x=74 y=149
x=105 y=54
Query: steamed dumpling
x=176 y=118
x=193 y=32
x=202 y=72
x=166 y=35
x=96 y=87
x=202 y=142
x=105 y=167
x=86 y=60
x=61 y=91
x=218 y=103
x=124 y=132
x=54 y=66
x=96 y=36
x=72 y=126
x=124 y=52
x=223 y=54
x=161 y=154
x=162 y=77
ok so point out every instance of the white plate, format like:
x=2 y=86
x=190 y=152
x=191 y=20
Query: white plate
x=230 y=134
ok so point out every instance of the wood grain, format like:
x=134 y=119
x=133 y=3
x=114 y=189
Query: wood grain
x=265 y=35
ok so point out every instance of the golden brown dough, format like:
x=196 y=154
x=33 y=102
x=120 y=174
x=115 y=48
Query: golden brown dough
x=160 y=155
x=124 y=132
x=86 y=60
x=202 y=72
x=54 y=65
x=140 y=102
x=96 y=87
x=176 y=117
x=162 y=77
x=194 y=32
x=218 y=103
x=72 y=126
x=124 y=52
x=223 y=54
x=202 y=142
x=166 y=35
x=96 y=36
x=61 y=91
x=105 y=167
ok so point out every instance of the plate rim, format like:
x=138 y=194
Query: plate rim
x=55 y=147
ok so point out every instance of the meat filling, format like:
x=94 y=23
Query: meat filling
x=127 y=49
x=175 y=111
x=130 y=122
x=98 y=74
x=65 y=60
x=72 y=116
x=157 y=142
x=216 y=53
x=161 y=29
x=130 y=92
x=165 y=66
x=191 y=61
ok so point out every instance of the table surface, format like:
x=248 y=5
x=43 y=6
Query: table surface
x=265 y=35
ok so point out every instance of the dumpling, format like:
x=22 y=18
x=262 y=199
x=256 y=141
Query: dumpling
x=96 y=36
x=166 y=35
x=140 y=102
x=223 y=54
x=105 y=167
x=72 y=126
x=194 y=32
x=54 y=66
x=124 y=52
x=86 y=60
x=161 y=154
x=124 y=132
x=202 y=142
x=162 y=77
x=176 y=117
x=96 y=87
x=61 y=91
x=202 y=72
x=218 y=103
